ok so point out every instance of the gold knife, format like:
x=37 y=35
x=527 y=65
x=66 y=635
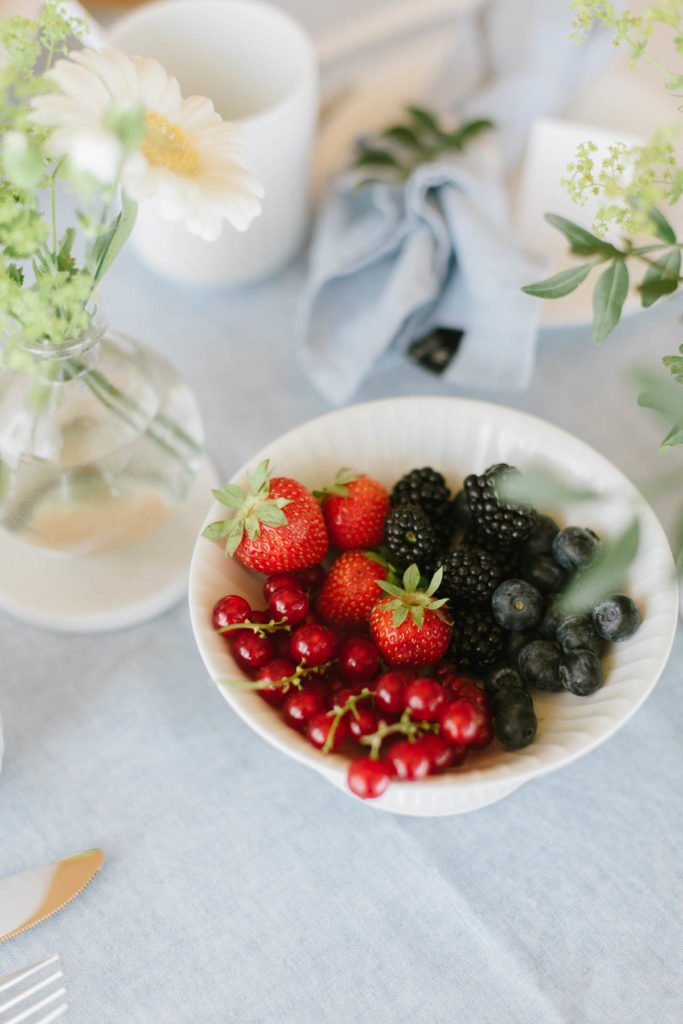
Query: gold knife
x=28 y=898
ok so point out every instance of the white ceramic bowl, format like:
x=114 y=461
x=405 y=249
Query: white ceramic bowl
x=386 y=439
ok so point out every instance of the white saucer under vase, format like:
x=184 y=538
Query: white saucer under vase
x=112 y=590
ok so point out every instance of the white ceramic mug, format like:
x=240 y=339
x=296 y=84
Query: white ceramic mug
x=258 y=66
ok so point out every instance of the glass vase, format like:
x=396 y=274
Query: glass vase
x=100 y=441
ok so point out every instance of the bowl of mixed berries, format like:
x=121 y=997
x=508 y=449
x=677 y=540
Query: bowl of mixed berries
x=410 y=630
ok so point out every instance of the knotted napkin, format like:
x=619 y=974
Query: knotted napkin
x=391 y=263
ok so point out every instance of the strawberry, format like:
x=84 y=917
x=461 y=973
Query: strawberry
x=355 y=508
x=261 y=534
x=410 y=627
x=350 y=590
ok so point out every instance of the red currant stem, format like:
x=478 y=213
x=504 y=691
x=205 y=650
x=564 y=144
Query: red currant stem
x=260 y=628
x=405 y=727
x=281 y=684
x=340 y=710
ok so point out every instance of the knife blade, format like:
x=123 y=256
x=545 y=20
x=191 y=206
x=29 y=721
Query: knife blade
x=28 y=898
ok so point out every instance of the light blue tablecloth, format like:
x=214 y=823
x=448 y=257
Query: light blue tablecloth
x=241 y=887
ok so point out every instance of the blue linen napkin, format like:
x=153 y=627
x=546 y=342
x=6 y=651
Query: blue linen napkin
x=391 y=263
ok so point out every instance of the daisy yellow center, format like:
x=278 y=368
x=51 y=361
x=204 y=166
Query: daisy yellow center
x=166 y=145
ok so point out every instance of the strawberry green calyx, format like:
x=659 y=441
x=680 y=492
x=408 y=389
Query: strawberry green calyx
x=251 y=509
x=338 y=486
x=411 y=600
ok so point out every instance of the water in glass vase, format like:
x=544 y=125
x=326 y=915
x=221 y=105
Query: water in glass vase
x=100 y=441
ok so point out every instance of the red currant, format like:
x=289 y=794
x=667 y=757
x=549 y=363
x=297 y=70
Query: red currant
x=441 y=755
x=280 y=641
x=390 y=692
x=485 y=735
x=229 y=610
x=259 y=616
x=277 y=580
x=300 y=707
x=278 y=668
x=367 y=778
x=460 y=721
x=358 y=659
x=290 y=604
x=424 y=697
x=250 y=650
x=318 y=730
x=363 y=722
x=313 y=644
x=409 y=761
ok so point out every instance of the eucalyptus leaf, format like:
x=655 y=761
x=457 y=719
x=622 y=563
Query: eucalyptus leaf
x=661 y=226
x=606 y=575
x=673 y=438
x=661 y=278
x=581 y=241
x=660 y=393
x=675 y=365
x=608 y=299
x=538 y=486
x=559 y=285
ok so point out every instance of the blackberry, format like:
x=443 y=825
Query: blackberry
x=477 y=641
x=616 y=618
x=541 y=540
x=462 y=516
x=410 y=538
x=427 y=489
x=508 y=557
x=470 y=576
x=509 y=524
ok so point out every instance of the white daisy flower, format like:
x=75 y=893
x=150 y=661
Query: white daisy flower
x=189 y=160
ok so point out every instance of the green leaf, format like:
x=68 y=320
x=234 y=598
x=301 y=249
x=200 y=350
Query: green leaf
x=271 y=515
x=675 y=83
x=15 y=273
x=459 y=138
x=65 y=261
x=662 y=394
x=424 y=119
x=435 y=582
x=581 y=242
x=539 y=486
x=390 y=588
x=217 y=530
x=417 y=614
x=661 y=277
x=399 y=615
x=376 y=158
x=561 y=284
x=675 y=365
x=661 y=226
x=403 y=135
x=259 y=477
x=22 y=160
x=411 y=578
x=230 y=495
x=605 y=576
x=673 y=438
x=234 y=537
x=111 y=242
x=608 y=299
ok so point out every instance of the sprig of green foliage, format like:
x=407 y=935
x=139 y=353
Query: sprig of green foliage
x=45 y=287
x=398 y=151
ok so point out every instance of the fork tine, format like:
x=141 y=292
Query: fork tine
x=18 y=976
x=25 y=1014
x=27 y=992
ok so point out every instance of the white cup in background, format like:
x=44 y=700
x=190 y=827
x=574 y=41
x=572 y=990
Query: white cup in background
x=258 y=66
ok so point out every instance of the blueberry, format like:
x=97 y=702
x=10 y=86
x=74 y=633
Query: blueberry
x=577 y=634
x=539 y=665
x=575 y=548
x=543 y=572
x=616 y=618
x=502 y=678
x=541 y=540
x=581 y=673
x=514 y=718
x=516 y=605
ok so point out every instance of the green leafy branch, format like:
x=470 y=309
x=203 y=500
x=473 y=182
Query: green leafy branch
x=398 y=151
